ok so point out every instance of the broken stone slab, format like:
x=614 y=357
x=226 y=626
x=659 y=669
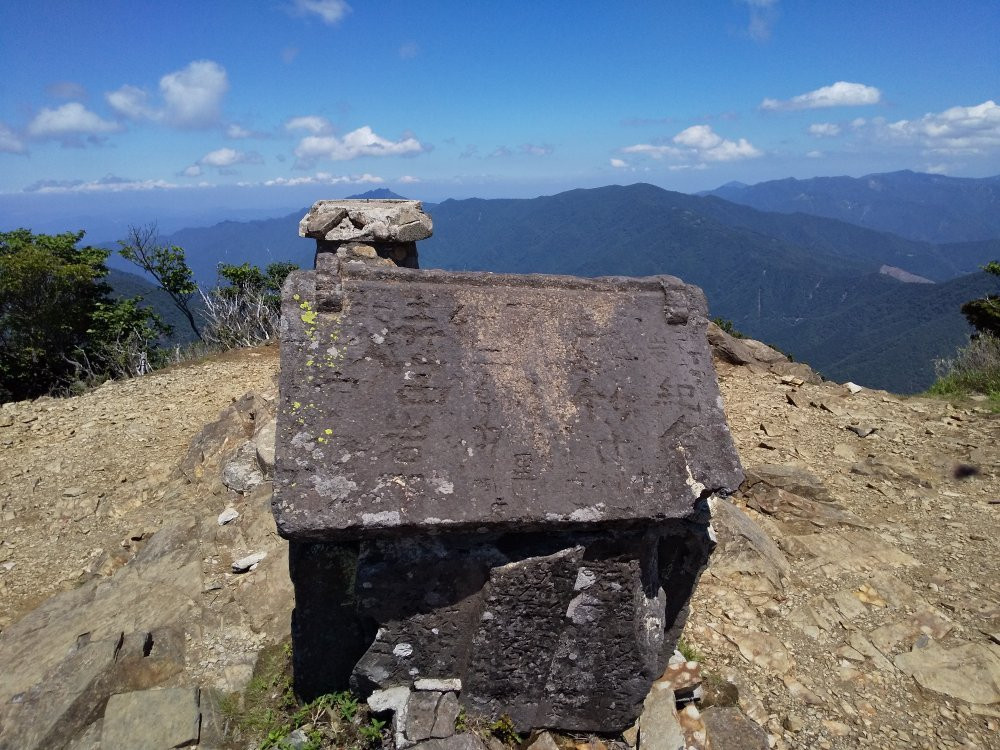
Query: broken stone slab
x=799 y=511
x=421 y=713
x=492 y=621
x=377 y=220
x=729 y=729
x=154 y=719
x=659 y=728
x=75 y=693
x=970 y=672
x=247 y=563
x=463 y=741
x=416 y=410
x=794 y=478
x=745 y=556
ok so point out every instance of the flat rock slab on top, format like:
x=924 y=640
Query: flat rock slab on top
x=441 y=400
x=372 y=220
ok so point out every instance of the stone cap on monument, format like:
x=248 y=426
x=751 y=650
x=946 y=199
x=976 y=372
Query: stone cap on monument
x=366 y=220
x=428 y=401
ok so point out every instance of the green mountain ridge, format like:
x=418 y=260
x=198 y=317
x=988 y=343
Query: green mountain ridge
x=810 y=285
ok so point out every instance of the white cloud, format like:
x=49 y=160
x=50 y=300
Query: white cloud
x=71 y=119
x=957 y=130
x=657 y=152
x=824 y=129
x=329 y=11
x=107 y=184
x=839 y=94
x=227 y=157
x=313 y=123
x=360 y=142
x=10 y=142
x=697 y=145
x=131 y=102
x=320 y=178
x=236 y=131
x=193 y=171
x=408 y=180
x=619 y=163
x=814 y=154
x=193 y=95
x=500 y=152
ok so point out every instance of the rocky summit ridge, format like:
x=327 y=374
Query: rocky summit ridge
x=853 y=599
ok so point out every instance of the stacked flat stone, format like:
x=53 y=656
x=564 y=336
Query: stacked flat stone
x=496 y=481
x=368 y=229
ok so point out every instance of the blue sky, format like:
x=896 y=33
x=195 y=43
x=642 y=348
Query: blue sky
x=276 y=103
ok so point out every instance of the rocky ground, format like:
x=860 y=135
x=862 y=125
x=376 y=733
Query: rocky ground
x=854 y=599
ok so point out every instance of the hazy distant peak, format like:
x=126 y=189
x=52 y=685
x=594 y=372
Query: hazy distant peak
x=377 y=194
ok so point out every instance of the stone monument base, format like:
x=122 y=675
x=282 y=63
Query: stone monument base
x=563 y=630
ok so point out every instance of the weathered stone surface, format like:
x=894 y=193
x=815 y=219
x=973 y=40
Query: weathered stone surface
x=498 y=479
x=970 y=672
x=241 y=473
x=729 y=729
x=82 y=645
x=455 y=742
x=74 y=694
x=448 y=709
x=379 y=220
x=153 y=719
x=421 y=712
x=745 y=556
x=659 y=728
x=417 y=407
x=792 y=478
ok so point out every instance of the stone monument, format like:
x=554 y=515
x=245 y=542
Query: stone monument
x=495 y=487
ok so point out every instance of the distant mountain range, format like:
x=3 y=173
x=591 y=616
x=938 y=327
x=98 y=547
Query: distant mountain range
x=824 y=290
x=919 y=206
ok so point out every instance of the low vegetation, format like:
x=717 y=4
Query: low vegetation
x=62 y=331
x=268 y=712
x=975 y=368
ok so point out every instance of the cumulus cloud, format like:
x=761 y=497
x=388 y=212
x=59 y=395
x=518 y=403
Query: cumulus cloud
x=131 y=102
x=66 y=90
x=500 y=152
x=697 y=144
x=839 y=94
x=193 y=171
x=9 y=141
x=619 y=163
x=330 y=12
x=824 y=129
x=107 y=184
x=69 y=122
x=955 y=131
x=408 y=180
x=193 y=95
x=312 y=123
x=357 y=143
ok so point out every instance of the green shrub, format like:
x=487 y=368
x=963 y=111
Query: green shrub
x=975 y=368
